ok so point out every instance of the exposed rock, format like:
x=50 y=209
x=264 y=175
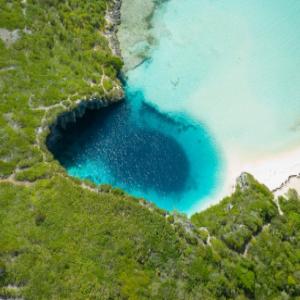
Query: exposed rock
x=9 y=36
x=72 y=115
x=113 y=19
x=243 y=181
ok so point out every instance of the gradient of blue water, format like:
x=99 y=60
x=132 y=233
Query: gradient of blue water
x=166 y=158
x=233 y=65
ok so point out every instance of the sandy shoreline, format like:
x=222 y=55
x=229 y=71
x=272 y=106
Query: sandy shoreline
x=279 y=172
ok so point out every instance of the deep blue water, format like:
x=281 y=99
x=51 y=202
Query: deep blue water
x=165 y=158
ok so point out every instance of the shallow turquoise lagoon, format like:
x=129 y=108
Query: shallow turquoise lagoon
x=231 y=64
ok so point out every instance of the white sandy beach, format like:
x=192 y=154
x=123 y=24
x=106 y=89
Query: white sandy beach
x=279 y=172
x=275 y=170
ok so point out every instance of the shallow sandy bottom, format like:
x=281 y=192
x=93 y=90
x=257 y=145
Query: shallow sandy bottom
x=234 y=67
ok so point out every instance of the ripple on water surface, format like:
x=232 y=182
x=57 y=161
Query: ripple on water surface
x=168 y=159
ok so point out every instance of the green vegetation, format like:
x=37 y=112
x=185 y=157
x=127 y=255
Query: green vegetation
x=61 y=238
x=60 y=241
x=240 y=216
x=61 y=54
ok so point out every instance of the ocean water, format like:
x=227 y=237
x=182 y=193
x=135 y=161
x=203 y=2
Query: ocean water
x=209 y=82
x=233 y=65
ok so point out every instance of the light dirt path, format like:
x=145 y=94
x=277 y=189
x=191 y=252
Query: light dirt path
x=11 y=179
x=266 y=226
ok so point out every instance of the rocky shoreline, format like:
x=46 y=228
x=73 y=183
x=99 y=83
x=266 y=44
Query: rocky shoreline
x=113 y=20
x=293 y=182
x=71 y=116
x=134 y=31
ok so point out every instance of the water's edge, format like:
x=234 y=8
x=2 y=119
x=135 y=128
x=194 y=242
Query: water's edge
x=113 y=22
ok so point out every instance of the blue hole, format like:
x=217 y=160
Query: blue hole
x=166 y=158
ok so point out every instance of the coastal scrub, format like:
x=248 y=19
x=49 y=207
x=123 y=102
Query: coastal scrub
x=62 y=238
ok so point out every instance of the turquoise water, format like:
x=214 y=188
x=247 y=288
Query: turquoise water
x=168 y=159
x=233 y=65
x=213 y=82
